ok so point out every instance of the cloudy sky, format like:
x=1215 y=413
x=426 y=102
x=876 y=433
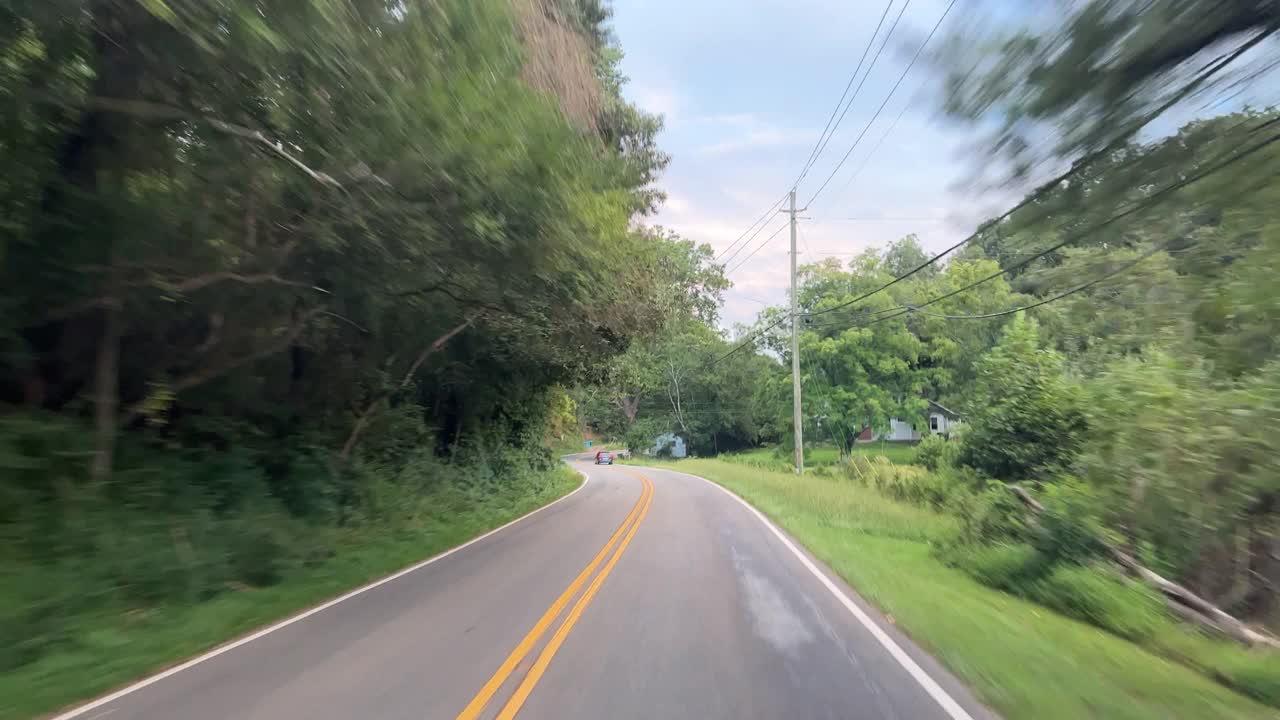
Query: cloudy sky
x=746 y=89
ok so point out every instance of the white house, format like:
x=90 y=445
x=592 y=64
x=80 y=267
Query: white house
x=942 y=421
x=900 y=431
x=668 y=441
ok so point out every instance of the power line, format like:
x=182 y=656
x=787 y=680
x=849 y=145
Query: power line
x=758 y=247
x=1046 y=301
x=767 y=213
x=1136 y=207
x=871 y=67
x=1043 y=189
x=755 y=335
x=824 y=138
x=1034 y=196
x=896 y=312
x=881 y=219
x=879 y=110
x=866 y=160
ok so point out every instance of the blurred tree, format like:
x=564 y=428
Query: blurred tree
x=1027 y=421
x=269 y=209
x=1097 y=78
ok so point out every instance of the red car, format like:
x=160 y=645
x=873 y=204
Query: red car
x=604 y=458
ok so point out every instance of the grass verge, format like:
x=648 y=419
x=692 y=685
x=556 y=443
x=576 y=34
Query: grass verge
x=1022 y=659
x=113 y=648
x=824 y=455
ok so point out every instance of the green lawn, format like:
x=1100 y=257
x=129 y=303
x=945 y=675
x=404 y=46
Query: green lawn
x=821 y=455
x=1022 y=659
x=112 y=650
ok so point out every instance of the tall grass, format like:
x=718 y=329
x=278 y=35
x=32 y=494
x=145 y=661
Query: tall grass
x=1058 y=562
x=823 y=455
x=183 y=550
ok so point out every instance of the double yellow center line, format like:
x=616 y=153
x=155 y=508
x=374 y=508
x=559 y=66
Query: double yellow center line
x=617 y=544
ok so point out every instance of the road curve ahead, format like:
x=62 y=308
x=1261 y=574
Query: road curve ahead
x=645 y=594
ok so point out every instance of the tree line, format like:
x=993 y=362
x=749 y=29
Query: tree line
x=276 y=273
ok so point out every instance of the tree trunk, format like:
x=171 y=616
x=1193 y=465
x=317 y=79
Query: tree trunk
x=1180 y=600
x=630 y=407
x=673 y=394
x=354 y=436
x=1176 y=594
x=106 y=393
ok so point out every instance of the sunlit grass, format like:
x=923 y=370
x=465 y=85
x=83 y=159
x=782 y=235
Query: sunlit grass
x=825 y=455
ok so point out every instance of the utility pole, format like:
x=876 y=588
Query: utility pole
x=797 y=416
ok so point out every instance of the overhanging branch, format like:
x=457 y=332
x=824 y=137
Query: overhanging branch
x=157 y=111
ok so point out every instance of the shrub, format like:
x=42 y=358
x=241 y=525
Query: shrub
x=1091 y=594
x=1005 y=566
x=178 y=526
x=1069 y=529
x=943 y=490
x=1254 y=673
x=994 y=516
x=1030 y=422
x=935 y=452
x=258 y=552
x=1102 y=598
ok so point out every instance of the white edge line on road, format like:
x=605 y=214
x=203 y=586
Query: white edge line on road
x=930 y=685
x=93 y=705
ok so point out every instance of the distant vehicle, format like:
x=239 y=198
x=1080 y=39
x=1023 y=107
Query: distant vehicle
x=604 y=458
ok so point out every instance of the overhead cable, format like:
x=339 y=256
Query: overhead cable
x=824 y=138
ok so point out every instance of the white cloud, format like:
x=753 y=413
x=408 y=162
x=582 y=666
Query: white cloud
x=739 y=119
x=675 y=205
x=735 y=149
x=664 y=101
x=756 y=139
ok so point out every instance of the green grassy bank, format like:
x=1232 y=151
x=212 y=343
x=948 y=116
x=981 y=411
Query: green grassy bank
x=101 y=643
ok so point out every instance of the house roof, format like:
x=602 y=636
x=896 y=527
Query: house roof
x=945 y=409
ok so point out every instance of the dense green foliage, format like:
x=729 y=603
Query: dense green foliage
x=277 y=277
x=685 y=381
x=1027 y=420
x=1138 y=408
x=1102 y=71
x=155 y=587
x=1143 y=386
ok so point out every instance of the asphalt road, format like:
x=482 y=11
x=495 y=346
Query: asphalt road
x=645 y=594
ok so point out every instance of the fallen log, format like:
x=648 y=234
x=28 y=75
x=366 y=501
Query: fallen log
x=1180 y=600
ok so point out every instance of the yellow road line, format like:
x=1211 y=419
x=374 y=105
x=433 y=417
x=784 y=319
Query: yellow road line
x=476 y=706
x=553 y=645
